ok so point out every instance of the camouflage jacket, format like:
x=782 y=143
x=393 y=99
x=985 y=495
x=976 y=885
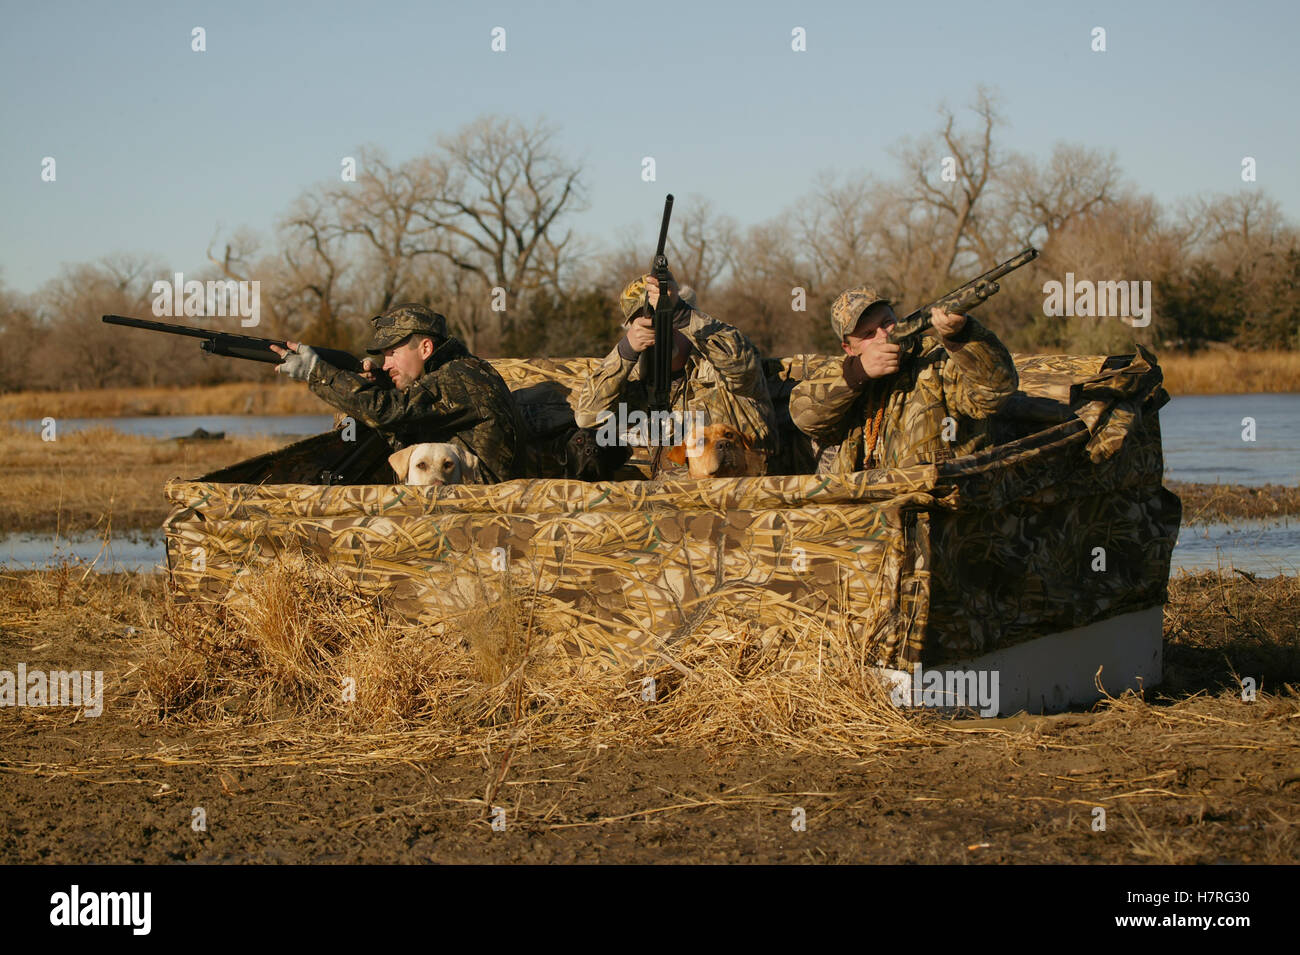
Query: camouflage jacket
x=723 y=378
x=969 y=385
x=460 y=399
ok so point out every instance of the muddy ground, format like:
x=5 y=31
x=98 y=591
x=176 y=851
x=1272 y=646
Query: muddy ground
x=1189 y=773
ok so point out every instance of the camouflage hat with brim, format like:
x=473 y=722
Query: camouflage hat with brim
x=633 y=298
x=401 y=322
x=848 y=308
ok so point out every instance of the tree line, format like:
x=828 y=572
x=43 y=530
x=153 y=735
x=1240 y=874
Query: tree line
x=481 y=228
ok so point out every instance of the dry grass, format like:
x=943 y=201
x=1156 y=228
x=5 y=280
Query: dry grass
x=257 y=686
x=71 y=600
x=283 y=648
x=297 y=642
x=1208 y=503
x=100 y=479
x=275 y=397
x=1228 y=371
x=1222 y=627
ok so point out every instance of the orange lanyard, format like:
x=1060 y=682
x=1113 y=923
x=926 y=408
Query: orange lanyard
x=873 y=425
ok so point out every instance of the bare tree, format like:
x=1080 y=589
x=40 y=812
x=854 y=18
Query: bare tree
x=836 y=227
x=500 y=192
x=85 y=353
x=1044 y=198
x=702 y=243
x=385 y=211
x=955 y=209
x=316 y=273
x=1236 y=228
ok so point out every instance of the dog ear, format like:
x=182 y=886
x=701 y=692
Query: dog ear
x=469 y=465
x=399 y=460
x=746 y=441
x=677 y=454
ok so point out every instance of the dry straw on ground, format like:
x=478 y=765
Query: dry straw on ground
x=258 y=687
x=286 y=647
x=285 y=650
x=1207 y=503
x=97 y=478
x=279 y=655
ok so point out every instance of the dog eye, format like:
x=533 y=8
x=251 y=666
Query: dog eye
x=422 y=466
x=446 y=465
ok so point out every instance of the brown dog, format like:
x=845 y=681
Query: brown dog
x=718 y=450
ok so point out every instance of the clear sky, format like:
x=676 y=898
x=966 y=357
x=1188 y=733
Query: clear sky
x=157 y=147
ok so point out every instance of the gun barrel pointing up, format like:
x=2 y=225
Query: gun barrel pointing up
x=663 y=229
x=960 y=300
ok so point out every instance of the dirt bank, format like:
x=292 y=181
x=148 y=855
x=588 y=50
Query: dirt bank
x=1189 y=773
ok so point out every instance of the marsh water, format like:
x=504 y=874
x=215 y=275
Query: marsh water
x=177 y=426
x=1208 y=439
x=1205 y=439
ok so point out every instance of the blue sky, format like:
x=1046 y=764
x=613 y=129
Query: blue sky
x=159 y=147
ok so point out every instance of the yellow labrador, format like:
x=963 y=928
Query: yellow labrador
x=436 y=464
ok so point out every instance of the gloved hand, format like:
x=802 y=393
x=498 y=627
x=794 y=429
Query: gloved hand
x=298 y=364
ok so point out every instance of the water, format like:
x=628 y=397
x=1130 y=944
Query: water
x=1265 y=548
x=142 y=551
x=1203 y=445
x=176 y=426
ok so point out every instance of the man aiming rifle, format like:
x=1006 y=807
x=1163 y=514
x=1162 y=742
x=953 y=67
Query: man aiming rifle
x=899 y=396
x=429 y=388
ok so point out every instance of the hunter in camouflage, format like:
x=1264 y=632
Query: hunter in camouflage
x=721 y=378
x=880 y=407
x=441 y=392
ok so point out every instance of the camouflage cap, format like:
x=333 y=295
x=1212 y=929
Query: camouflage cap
x=401 y=322
x=848 y=308
x=633 y=298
